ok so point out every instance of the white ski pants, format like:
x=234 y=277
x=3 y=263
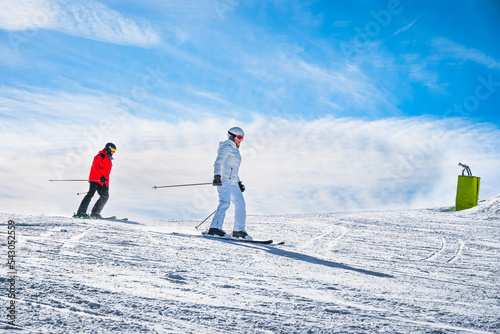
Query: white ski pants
x=230 y=193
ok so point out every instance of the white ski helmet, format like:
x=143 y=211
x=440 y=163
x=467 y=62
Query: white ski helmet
x=236 y=132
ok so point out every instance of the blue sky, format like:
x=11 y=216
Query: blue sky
x=377 y=91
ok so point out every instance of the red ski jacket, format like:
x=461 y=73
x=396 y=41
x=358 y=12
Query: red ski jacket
x=101 y=167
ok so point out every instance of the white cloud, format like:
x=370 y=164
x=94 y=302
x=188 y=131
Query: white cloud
x=419 y=70
x=89 y=19
x=290 y=166
x=423 y=69
x=27 y=14
x=457 y=51
x=408 y=26
x=210 y=96
x=346 y=86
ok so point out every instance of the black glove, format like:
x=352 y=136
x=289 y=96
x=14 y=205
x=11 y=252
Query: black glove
x=217 y=181
x=242 y=187
x=103 y=180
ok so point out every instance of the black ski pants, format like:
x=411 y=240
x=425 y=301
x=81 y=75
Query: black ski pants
x=99 y=205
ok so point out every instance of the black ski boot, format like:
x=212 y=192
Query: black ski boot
x=241 y=234
x=81 y=215
x=216 y=231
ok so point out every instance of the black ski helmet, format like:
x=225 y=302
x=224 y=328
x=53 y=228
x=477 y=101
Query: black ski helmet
x=108 y=148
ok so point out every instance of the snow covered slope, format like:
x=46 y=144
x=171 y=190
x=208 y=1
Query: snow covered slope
x=489 y=209
x=418 y=271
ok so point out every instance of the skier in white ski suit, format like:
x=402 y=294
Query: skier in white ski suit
x=229 y=186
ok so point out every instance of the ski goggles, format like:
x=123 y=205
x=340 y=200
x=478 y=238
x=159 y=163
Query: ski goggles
x=112 y=149
x=239 y=137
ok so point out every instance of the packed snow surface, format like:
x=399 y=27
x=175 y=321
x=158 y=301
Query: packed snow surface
x=413 y=271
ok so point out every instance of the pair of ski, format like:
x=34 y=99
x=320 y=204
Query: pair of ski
x=113 y=218
x=103 y=218
x=230 y=238
x=203 y=234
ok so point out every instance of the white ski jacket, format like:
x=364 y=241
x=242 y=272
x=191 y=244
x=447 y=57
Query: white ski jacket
x=228 y=162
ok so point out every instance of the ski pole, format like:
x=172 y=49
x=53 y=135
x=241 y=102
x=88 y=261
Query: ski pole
x=82 y=193
x=183 y=185
x=73 y=180
x=196 y=227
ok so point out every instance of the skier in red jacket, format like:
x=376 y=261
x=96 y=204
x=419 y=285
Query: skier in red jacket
x=99 y=181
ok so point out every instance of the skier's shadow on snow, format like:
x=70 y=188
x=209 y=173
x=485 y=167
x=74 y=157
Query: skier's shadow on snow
x=311 y=259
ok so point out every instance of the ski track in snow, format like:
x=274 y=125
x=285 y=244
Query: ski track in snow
x=458 y=253
x=331 y=243
x=413 y=271
x=436 y=253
